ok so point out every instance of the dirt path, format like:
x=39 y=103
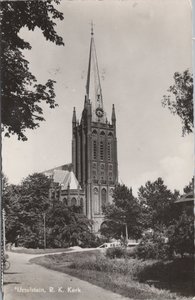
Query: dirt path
x=28 y=281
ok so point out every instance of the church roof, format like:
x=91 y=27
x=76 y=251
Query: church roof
x=66 y=179
x=67 y=167
x=64 y=176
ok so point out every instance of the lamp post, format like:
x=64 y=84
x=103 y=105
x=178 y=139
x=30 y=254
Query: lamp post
x=126 y=229
x=124 y=222
x=3 y=219
x=126 y=232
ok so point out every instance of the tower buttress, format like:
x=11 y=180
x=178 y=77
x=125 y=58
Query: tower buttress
x=74 y=140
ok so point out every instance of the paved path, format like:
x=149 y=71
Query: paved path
x=28 y=281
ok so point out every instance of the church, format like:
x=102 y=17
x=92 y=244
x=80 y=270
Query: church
x=93 y=173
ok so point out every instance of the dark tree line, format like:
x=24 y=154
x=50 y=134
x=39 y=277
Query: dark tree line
x=153 y=216
x=25 y=206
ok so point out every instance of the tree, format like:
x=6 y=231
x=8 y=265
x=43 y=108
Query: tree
x=21 y=95
x=124 y=211
x=34 y=202
x=157 y=203
x=25 y=207
x=182 y=105
x=181 y=235
x=154 y=245
x=190 y=187
x=10 y=201
x=67 y=226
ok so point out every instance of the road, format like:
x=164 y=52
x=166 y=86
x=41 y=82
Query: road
x=25 y=280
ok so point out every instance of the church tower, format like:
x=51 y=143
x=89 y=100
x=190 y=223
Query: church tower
x=94 y=145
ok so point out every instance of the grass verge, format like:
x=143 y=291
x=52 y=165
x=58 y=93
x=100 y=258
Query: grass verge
x=118 y=275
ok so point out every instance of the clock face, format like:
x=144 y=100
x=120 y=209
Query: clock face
x=99 y=112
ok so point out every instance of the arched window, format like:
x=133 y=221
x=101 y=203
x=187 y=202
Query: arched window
x=101 y=150
x=96 y=201
x=94 y=149
x=73 y=201
x=65 y=201
x=103 y=196
x=110 y=134
x=109 y=149
x=102 y=133
x=94 y=132
x=94 y=173
x=110 y=176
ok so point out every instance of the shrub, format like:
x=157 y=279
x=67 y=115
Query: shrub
x=131 y=252
x=181 y=235
x=116 y=252
x=153 y=246
x=100 y=263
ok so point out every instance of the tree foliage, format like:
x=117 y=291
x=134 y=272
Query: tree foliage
x=27 y=205
x=125 y=210
x=157 y=203
x=34 y=202
x=154 y=245
x=10 y=197
x=181 y=235
x=166 y=241
x=182 y=104
x=67 y=226
x=190 y=187
x=21 y=95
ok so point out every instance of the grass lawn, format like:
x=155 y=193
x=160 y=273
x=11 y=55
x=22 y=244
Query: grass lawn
x=40 y=251
x=128 y=277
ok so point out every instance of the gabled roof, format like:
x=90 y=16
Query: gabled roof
x=66 y=179
x=67 y=167
x=186 y=198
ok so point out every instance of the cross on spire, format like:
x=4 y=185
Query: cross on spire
x=92 y=28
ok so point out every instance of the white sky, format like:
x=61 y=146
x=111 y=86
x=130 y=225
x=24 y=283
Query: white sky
x=140 y=44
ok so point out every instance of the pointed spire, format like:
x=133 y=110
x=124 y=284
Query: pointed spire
x=74 y=116
x=93 y=86
x=113 y=115
x=89 y=69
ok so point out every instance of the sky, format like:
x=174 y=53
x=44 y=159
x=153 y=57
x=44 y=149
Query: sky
x=140 y=45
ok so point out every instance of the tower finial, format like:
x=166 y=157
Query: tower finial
x=113 y=118
x=91 y=28
x=74 y=116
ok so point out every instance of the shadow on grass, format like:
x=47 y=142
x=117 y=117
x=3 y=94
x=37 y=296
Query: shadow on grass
x=12 y=273
x=11 y=282
x=40 y=251
x=176 y=276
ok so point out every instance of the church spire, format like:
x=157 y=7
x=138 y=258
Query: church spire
x=93 y=85
x=89 y=66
